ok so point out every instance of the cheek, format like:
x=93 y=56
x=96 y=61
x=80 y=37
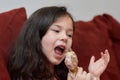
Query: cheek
x=70 y=43
x=45 y=44
x=47 y=41
x=44 y=41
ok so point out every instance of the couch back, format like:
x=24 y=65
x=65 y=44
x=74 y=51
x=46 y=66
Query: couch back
x=10 y=25
x=92 y=37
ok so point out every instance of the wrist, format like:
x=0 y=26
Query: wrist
x=95 y=77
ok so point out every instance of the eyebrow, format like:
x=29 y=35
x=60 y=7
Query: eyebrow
x=58 y=26
x=71 y=29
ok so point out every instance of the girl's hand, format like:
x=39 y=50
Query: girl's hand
x=96 y=68
x=81 y=75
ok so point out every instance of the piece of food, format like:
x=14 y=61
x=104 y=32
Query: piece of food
x=71 y=61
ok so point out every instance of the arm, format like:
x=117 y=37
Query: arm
x=96 y=68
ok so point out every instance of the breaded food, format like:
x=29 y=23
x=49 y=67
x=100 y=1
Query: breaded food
x=71 y=61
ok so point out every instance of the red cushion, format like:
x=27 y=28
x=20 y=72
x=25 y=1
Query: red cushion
x=94 y=36
x=10 y=25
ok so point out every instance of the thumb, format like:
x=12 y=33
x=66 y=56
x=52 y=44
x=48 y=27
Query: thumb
x=92 y=60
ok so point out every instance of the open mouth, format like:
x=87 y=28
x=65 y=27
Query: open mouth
x=60 y=49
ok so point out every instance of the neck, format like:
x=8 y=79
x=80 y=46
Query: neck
x=52 y=69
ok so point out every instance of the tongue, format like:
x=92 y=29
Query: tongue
x=58 y=50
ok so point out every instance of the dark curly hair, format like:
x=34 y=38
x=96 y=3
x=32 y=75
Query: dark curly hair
x=27 y=61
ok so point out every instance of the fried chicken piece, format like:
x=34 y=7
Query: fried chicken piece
x=71 y=61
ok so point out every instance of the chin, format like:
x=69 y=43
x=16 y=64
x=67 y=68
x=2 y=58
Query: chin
x=56 y=62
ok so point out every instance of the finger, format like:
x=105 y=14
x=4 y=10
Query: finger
x=102 y=54
x=69 y=77
x=80 y=70
x=84 y=75
x=79 y=73
x=92 y=60
x=88 y=76
x=104 y=59
x=106 y=51
x=107 y=55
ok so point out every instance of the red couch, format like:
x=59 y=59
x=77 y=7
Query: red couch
x=10 y=25
x=90 y=38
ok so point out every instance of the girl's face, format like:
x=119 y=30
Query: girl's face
x=58 y=39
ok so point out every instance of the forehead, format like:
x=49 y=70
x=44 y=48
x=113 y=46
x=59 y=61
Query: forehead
x=64 y=17
x=64 y=21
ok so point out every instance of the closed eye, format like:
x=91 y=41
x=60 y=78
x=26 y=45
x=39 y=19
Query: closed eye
x=69 y=35
x=57 y=31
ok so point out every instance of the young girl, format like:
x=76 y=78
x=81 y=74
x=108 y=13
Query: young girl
x=40 y=49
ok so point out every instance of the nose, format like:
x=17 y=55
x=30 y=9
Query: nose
x=64 y=38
